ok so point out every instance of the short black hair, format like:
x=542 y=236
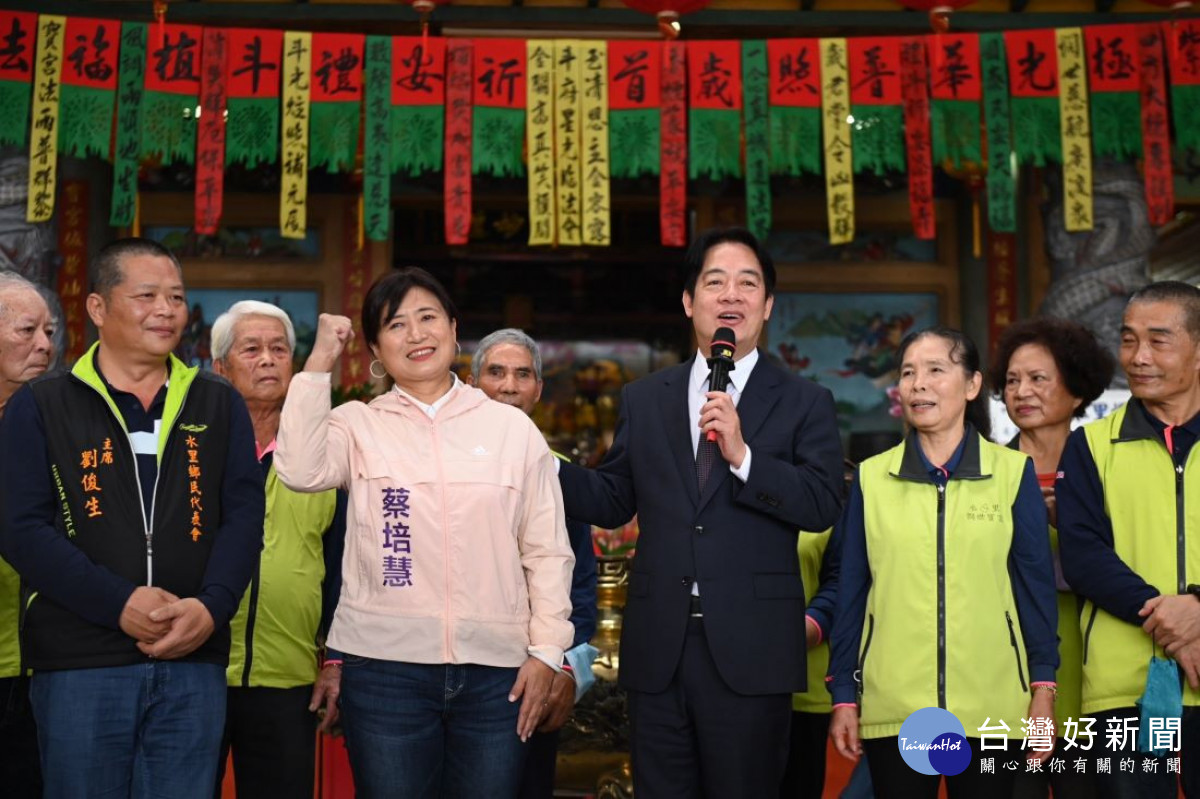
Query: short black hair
x=964 y=353
x=106 y=266
x=1185 y=295
x=388 y=292
x=1086 y=367
x=693 y=261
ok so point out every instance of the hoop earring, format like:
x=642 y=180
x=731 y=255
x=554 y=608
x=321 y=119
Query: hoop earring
x=371 y=369
x=458 y=347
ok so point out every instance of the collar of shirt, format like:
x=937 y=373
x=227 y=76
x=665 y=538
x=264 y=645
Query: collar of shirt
x=737 y=376
x=131 y=405
x=1183 y=436
x=941 y=474
x=431 y=410
x=698 y=386
x=265 y=451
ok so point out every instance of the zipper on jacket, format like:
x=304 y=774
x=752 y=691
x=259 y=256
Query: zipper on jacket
x=1180 y=534
x=1012 y=639
x=437 y=453
x=862 y=659
x=941 y=595
x=137 y=480
x=1087 y=632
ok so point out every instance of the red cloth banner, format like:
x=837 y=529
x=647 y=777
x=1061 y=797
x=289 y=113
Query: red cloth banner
x=254 y=63
x=915 y=85
x=875 y=71
x=356 y=277
x=418 y=70
x=18 y=38
x=90 y=53
x=1002 y=283
x=634 y=75
x=954 y=69
x=1156 y=130
x=173 y=62
x=1112 y=57
x=1032 y=63
x=1183 y=48
x=210 y=137
x=72 y=276
x=458 y=141
x=714 y=72
x=499 y=73
x=672 y=218
x=337 y=67
x=794 y=72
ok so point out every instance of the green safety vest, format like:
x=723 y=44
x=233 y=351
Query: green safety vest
x=274 y=632
x=1144 y=497
x=941 y=627
x=811 y=549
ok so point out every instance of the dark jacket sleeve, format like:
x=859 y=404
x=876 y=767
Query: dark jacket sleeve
x=1090 y=563
x=603 y=496
x=333 y=544
x=822 y=606
x=45 y=558
x=583 y=582
x=240 y=534
x=802 y=485
x=854 y=584
x=1031 y=567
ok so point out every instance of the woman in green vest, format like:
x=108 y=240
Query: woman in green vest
x=946 y=596
x=1048 y=371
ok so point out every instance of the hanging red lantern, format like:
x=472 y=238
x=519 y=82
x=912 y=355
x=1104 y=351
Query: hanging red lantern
x=667 y=12
x=939 y=10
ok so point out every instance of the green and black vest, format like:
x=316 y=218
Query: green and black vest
x=99 y=505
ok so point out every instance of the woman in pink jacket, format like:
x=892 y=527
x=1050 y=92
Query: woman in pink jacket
x=456 y=577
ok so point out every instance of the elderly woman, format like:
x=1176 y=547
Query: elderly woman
x=1048 y=371
x=453 y=614
x=946 y=592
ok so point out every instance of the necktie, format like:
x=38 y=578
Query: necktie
x=707 y=453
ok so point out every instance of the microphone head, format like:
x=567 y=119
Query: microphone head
x=724 y=344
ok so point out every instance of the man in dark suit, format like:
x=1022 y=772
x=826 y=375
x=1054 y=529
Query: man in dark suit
x=713 y=640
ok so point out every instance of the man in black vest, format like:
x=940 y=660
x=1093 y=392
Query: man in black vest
x=713 y=638
x=133 y=508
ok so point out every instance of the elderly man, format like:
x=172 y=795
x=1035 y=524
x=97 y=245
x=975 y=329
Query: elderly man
x=507 y=366
x=133 y=507
x=273 y=658
x=1128 y=533
x=26 y=351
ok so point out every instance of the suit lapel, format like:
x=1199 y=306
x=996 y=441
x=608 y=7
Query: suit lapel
x=760 y=396
x=675 y=423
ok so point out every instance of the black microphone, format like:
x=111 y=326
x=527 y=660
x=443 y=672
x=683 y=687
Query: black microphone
x=720 y=361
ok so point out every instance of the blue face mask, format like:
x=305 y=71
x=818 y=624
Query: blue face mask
x=1163 y=698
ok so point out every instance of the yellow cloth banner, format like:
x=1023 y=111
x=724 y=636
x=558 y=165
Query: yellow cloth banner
x=43 y=126
x=835 y=130
x=1076 y=130
x=597 y=219
x=568 y=110
x=293 y=179
x=539 y=140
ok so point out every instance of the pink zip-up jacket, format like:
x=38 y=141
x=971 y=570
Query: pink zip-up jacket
x=456 y=543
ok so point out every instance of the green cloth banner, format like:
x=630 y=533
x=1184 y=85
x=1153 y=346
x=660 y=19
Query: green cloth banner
x=86 y=117
x=955 y=132
x=15 y=98
x=417 y=135
x=755 y=103
x=634 y=146
x=1037 y=138
x=878 y=139
x=497 y=138
x=1117 y=125
x=377 y=173
x=129 y=102
x=1001 y=182
x=714 y=143
x=795 y=136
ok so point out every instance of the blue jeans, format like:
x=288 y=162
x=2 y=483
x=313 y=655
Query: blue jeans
x=148 y=730
x=422 y=731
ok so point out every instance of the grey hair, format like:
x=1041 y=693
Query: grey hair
x=507 y=335
x=221 y=335
x=13 y=281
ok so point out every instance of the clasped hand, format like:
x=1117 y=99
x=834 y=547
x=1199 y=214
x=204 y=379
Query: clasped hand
x=165 y=626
